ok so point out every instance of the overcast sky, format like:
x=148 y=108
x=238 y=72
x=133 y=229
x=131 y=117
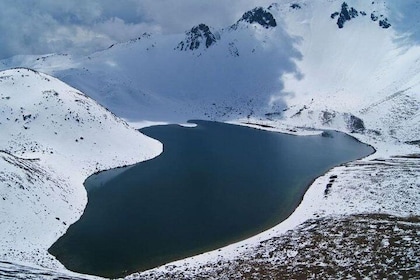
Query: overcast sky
x=84 y=26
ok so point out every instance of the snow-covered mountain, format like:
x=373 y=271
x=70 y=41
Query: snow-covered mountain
x=52 y=138
x=353 y=66
x=318 y=62
x=204 y=73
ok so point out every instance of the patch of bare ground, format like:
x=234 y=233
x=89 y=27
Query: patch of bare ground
x=375 y=246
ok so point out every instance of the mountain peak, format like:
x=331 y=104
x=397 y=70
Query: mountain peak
x=196 y=36
x=259 y=15
x=347 y=13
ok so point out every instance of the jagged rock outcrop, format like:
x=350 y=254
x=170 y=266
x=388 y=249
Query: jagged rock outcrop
x=258 y=15
x=197 y=36
x=354 y=124
x=383 y=21
x=347 y=13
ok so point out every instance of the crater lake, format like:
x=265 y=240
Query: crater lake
x=214 y=184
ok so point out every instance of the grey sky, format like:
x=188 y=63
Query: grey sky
x=84 y=26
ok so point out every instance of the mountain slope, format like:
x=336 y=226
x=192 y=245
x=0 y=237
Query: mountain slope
x=352 y=66
x=295 y=61
x=203 y=73
x=360 y=77
x=52 y=138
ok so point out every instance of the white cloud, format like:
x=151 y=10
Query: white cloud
x=79 y=26
x=181 y=15
x=117 y=29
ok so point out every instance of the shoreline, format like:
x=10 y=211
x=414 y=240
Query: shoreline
x=238 y=243
x=110 y=173
x=303 y=212
x=190 y=123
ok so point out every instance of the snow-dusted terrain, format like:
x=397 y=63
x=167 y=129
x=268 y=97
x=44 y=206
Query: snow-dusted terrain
x=52 y=138
x=296 y=65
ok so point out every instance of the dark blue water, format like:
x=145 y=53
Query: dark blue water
x=213 y=185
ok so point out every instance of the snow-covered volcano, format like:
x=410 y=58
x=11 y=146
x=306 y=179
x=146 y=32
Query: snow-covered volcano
x=352 y=66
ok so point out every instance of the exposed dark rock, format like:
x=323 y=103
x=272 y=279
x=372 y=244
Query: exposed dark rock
x=326 y=191
x=414 y=142
x=355 y=124
x=295 y=6
x=298 y=113
x=333 y=15
x=374 y=132
x=327 y=117
x=233 y=49
x=197 y=36
x=384 y=23
x=326 y=134
x=260 y=16
x=346 y=14
x=275 y=114
x=259 y=124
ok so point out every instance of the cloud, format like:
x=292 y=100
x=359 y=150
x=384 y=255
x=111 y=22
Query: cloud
x=404 y=18
x=181 y=15
x=79 y=26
